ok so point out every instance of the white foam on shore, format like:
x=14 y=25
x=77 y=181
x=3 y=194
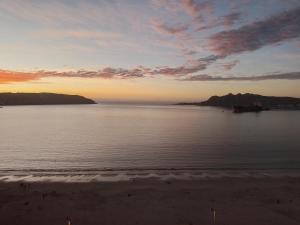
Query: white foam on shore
x=130 y=175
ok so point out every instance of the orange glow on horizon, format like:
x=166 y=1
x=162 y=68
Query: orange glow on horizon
x=139 y=90
x=11 y=76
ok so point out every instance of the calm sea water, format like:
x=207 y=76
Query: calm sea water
x=126 y=137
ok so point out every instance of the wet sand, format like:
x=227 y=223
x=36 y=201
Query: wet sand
x=247 y=201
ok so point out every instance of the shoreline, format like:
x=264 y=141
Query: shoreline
x=116 y=175
x=247 y=201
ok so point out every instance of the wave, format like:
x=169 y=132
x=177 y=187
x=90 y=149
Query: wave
x=114 y=175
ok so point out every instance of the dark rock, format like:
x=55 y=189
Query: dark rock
x=250 y=100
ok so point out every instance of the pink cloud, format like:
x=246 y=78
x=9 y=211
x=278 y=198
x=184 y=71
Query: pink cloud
x=195 y=9
x=7 y=76
x=166 y=29
x=256 y=35
x=227 y=21
x=282 y=76
x=230 y=19
x=230 y=65
x=191 y=66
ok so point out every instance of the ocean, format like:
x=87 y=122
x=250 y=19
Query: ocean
x=102 y=141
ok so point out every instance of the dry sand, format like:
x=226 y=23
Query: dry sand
x=242 y=201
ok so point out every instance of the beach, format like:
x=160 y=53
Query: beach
x=226 y=201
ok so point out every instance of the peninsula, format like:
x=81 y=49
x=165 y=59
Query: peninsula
x=249 y=100
x=42 y=99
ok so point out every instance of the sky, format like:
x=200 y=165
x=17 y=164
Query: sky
x=150 y=50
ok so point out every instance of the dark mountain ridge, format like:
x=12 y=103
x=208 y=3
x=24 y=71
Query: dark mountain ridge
x=245 y=100
x=42 y=99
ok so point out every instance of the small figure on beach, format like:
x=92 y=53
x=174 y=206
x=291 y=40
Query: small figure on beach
x=68 y=220
x=25 y=186
x=213 y=215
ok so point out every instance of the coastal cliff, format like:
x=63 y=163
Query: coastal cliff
x=42 y=99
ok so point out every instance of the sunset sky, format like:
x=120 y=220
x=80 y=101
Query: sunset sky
x=150 y=50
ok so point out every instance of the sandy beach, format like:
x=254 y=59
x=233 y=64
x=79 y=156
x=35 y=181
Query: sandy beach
x=247 y=201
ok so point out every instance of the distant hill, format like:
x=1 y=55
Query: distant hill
x=42 y=99
x=232 y=100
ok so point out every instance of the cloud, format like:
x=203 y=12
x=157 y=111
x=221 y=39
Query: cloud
x=12 y=76
x=188 y=52
x=227 y=21
x=253 y=36
x=281 y=76
x=179 y=71
x=170 y=5
x=230 y=65
x=7 y=76
x=195 y=9
x=192 y=66
x=230 y=19
x=167 y=29
x=106 y=73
